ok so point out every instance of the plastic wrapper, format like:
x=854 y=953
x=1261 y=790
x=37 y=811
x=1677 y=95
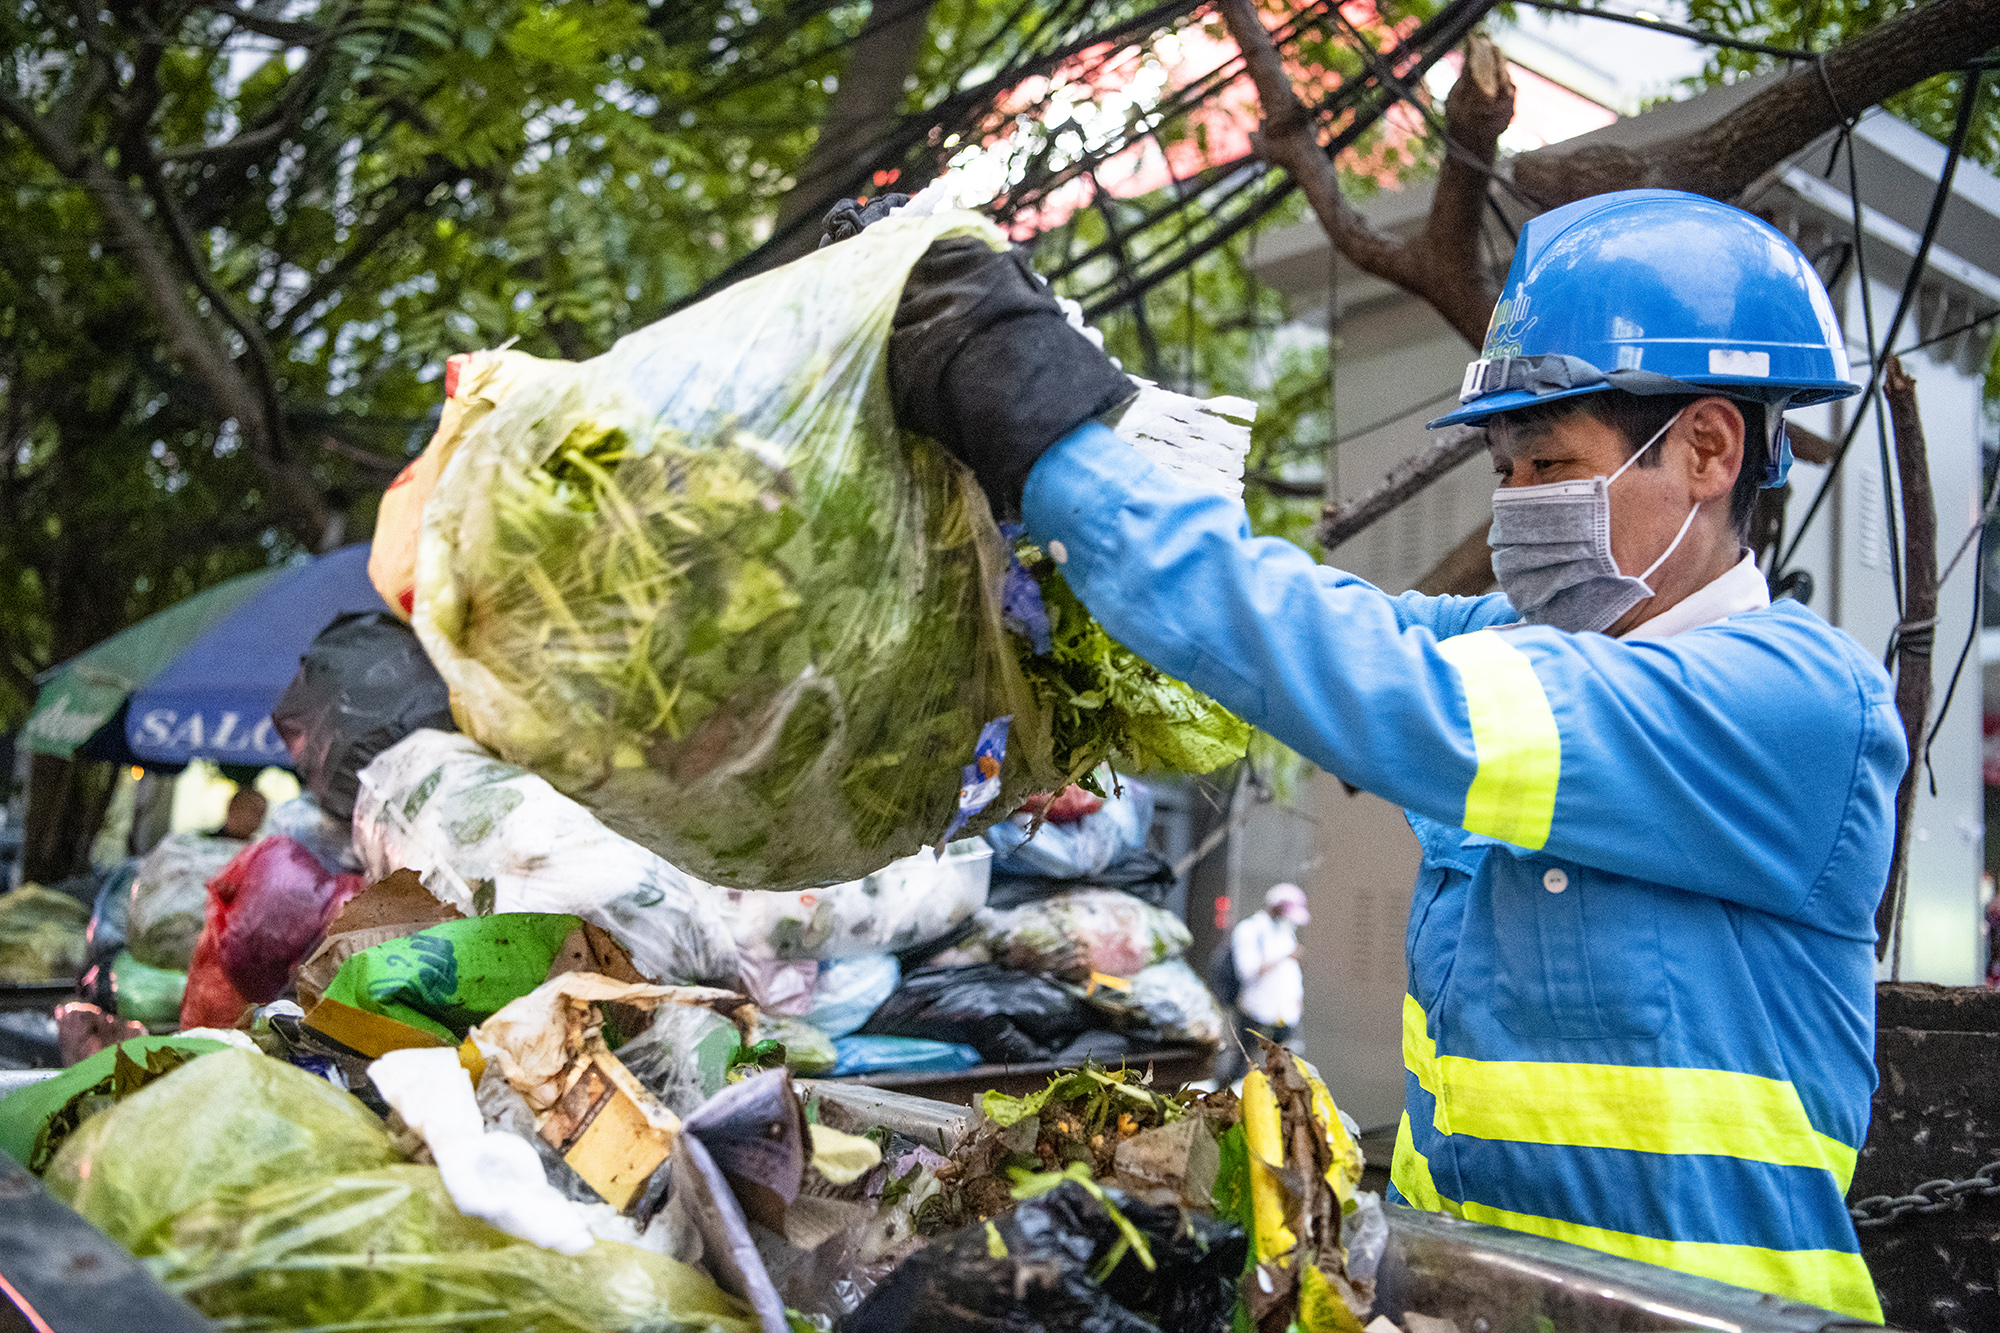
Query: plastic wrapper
x=1005 y=1015
x=330 y=840
x=808 y=1051
x=170 y=897
x=1092 y=930
x=489 y=837
x=900 y=1055
x=1080 y=849
x=266 y=911
x=699 y=583
x=851 y=989
x=229 y=1121
x=1167 y=1001
x=385 y=1249
x=43 y=935
x=1065 y=1263
x=363 y=685
x=683 y=1057
x=901 y=906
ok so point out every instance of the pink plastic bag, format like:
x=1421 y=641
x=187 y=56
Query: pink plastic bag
x=266 y=911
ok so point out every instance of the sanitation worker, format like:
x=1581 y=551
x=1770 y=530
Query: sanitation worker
x=1655 y=807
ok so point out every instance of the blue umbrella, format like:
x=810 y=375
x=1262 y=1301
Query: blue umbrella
x=214 y=700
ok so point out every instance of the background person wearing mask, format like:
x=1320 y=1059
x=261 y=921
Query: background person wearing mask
x=1656 y=810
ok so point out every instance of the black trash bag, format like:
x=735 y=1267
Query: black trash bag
x=107 y=914
x=1037 y=1277
x=364 y=684
x=1141 y=872
x=1009 y=1017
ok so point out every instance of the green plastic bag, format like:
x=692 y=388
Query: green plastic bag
x=146 y=994
x=41 y=935
x=230 y=1121
x=450 y=978
x=23 y=1113
x=386 y=1249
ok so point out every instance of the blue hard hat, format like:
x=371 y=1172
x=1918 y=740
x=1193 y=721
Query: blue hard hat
x=1657 y=292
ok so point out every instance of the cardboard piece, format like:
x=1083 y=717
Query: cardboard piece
x=389 y=909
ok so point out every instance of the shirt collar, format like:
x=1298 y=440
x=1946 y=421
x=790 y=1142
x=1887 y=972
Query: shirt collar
x=1741 y=589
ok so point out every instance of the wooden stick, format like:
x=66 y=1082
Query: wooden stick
x=1913 y=641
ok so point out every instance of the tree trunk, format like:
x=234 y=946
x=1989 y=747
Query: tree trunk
x=66 y=803
x=864 y=109
x=1913 y=651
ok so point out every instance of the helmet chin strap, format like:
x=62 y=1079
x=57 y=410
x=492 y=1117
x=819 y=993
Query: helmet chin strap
x=1686 y=523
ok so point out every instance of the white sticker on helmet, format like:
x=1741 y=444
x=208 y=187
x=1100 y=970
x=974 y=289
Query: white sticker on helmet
x=1723 y=362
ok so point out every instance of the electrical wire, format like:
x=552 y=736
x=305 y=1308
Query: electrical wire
x=1672 y=29
x=1919 y=262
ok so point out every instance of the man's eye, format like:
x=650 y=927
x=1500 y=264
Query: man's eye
x=1544 y=464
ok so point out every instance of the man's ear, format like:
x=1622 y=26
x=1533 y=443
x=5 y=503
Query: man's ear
x=1712 y=429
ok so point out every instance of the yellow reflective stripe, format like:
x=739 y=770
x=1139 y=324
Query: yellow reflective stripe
x=1513 y=791
x=1833 y=1279
x=1634 y=1108
x=1411 y=1173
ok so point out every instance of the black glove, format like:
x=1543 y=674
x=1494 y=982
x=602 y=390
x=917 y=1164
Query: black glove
x=983 y=362
x=849 y=216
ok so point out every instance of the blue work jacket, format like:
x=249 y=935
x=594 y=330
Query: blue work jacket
x=1641 y=1006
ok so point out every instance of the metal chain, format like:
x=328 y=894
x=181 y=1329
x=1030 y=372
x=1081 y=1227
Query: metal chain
x=1933 y=1196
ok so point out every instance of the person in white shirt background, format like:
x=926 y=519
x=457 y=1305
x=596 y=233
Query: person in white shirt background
x=1265 y=948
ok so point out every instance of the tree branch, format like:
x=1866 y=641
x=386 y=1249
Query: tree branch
x=1440 y=264
x=411 y=192
x=1722 y=159
x=863 y=110
x=1343 y=518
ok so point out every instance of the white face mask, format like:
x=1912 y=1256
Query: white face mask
x=1552 y=551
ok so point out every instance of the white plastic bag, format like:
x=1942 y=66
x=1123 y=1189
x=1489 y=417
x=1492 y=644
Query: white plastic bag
x=910 y=902
x=850 y=990
x=1078 y=850
x=488 y=837
x=1090 y=930
x=170 y=897
x=330 y=840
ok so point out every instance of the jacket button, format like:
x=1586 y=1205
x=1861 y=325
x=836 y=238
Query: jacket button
x=1556 y=880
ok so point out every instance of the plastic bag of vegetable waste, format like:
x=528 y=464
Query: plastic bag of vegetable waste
x=170 y=897
x=901 y=906
x=43 y=935
x=850 y=989
x=385 y=1249
x=1168 y=1001
x=229 y=1121
x=488 y=837
x=1078 y=849
x=1005 y=1015
x=701 y=585
x=363 y=685
x=900 y=1055
x=1081 y=1258
x=330 y=840
x=266 y=910
x=1074 y=934
x=473 y=383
